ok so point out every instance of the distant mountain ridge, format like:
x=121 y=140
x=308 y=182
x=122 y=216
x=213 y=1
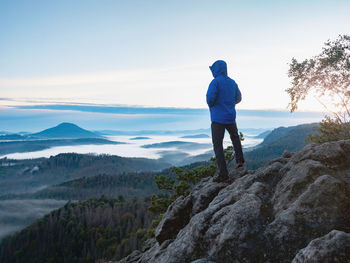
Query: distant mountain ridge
x=280 y=132
x=283 y=138
x=66 y=130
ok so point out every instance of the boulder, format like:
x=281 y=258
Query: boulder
x=179 y=212
x=333 y=247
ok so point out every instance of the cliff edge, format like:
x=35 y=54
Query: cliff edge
x=295 y=209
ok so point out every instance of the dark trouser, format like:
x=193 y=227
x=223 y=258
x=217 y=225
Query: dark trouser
x=217 y=135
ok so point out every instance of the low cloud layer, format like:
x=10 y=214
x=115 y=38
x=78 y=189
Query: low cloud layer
x=16 y=214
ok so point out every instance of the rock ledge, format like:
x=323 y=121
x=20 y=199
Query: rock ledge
x=297 y=208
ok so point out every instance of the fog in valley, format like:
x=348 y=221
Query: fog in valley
x=16 y=214
x=134 y=148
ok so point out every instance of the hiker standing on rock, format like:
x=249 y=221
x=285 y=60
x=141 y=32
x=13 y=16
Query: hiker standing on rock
x=222 y=96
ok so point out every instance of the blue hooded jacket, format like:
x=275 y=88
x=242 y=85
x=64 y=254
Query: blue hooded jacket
x=222 y=95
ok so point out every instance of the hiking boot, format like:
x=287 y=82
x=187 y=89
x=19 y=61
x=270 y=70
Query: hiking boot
x=228 y=180
x=239 y=165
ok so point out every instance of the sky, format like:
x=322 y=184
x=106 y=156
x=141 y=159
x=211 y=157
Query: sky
x=157 y=53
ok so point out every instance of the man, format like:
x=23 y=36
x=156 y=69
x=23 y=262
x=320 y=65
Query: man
x=222 y=96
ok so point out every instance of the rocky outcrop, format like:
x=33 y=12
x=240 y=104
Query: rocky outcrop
x=287 y=210
x=182 y=209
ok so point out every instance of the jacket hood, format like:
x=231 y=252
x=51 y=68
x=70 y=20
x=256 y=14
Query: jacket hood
x=219 y=68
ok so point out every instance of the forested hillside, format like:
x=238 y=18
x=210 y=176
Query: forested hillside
x=101 y=228
x=284 y=138
x=130 y=185
x=29 y=175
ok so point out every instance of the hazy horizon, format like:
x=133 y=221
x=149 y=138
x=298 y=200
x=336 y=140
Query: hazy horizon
x=37 y=117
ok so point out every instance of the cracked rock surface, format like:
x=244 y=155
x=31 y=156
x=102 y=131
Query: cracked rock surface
x=296 y=208
x=333 y=247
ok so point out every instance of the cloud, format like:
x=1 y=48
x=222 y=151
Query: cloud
x=183 y=86
x=116 y=109
x=155 y=74
x=170 y=87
